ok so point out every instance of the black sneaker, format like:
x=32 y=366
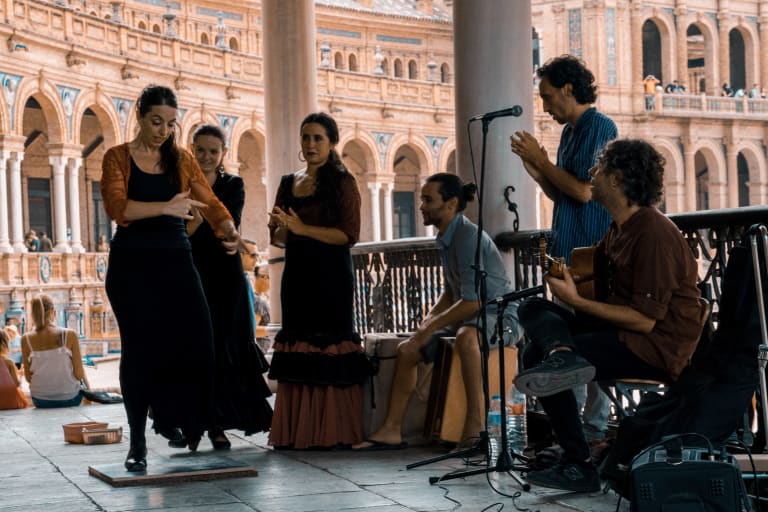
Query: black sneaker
x=558 y=372
x=568 y=476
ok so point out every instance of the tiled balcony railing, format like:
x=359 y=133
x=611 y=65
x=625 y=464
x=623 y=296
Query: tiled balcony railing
x=399 y=281
x=688 y=105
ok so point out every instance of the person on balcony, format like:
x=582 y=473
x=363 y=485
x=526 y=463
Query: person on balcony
x=443 y=197
x=727 y=90
x=241 y=391
x=644 y=322
x=45 y=243
x=568 y=91
x=318 y=360
x=31 y=242
x=650 y=85
x=150 y=186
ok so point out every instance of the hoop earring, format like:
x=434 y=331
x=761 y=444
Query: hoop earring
x=301 y=154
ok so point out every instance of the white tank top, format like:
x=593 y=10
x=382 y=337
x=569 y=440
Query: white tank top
x=53 y=374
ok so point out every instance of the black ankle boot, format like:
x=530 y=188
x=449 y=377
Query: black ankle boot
x=137 y=456
x=174 y=436
x=218 y=439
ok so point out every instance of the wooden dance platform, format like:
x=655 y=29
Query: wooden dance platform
x=169 y=471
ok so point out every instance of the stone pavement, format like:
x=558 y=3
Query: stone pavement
x=40 y=472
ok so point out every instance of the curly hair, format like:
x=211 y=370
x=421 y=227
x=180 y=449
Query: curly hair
x=567 y=69
x=451 y=186
x=640 y=167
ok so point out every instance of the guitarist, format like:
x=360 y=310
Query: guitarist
x=645 y=326
x=567 y=89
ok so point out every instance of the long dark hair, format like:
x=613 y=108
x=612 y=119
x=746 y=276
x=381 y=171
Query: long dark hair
x=330 y=174
x=151 y=96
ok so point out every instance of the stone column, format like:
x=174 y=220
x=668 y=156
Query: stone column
x=5 y=245
x=689 y=159
x=59 y=235
x=17 y=220
x=724 y=46
x=490 y=77
x=636 y=22
x=681 y=26
x=763 y=25
x=732 y=176
x=375 y=187
x=388 y=189
x=73 y=166
x=290 y=91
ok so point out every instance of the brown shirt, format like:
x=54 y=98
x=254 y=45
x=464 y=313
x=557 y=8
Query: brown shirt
x=116 y=171
x=650 y=268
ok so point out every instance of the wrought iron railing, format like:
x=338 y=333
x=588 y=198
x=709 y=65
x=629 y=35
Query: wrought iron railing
x=398 y=282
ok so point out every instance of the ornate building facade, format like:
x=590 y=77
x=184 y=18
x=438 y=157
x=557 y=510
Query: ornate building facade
x=72 y=69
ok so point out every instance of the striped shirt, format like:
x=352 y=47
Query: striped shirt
x=575 y=224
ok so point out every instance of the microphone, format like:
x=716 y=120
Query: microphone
x=517 y=295
x=515 y=111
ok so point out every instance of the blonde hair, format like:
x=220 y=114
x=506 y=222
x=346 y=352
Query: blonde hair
x=42 y=305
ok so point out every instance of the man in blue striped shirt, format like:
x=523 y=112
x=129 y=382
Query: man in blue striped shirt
x=567 y=92
x=567 y=89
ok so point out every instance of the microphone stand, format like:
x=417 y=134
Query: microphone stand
x=504 y=461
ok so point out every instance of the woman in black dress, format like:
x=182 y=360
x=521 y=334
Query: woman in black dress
x=241 y=392
x=149 y=187
x=318 y=360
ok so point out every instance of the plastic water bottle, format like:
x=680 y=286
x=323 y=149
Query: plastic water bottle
x=494 y=429
x=516 y=421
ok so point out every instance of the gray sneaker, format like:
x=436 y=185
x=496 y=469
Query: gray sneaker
x=558 y=372
x=568 y=476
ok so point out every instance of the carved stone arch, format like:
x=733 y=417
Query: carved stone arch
x=46 y=94
x=665 y=24
x=751 y=37
x=712 y=151
x=421 y=149
x=449 y=146
x=708 y=29
x=101 y=105
x=192 y=119
x=674 y=174
x=674 y=168
x=366 y=141
x=755 y=157
x=242 y=126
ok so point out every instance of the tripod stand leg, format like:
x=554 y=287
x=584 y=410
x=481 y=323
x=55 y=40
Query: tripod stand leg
x=480 y=447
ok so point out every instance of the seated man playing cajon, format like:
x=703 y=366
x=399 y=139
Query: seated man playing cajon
x=443 y=198
x=645 y=322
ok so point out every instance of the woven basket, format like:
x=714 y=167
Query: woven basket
x=103 y=435
x=73 y=432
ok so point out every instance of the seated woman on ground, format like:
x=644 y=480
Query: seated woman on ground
x=11 y=396
x=52 y=362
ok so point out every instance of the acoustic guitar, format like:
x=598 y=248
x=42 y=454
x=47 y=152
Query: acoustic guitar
x=582 y=267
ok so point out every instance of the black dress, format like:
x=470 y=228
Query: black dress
x=318 y=359
x=241 y=392
x=165 y=330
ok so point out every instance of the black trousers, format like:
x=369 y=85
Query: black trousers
x=548 y=326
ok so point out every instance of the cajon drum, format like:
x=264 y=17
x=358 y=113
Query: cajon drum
x=447 y=402
x=383 y=349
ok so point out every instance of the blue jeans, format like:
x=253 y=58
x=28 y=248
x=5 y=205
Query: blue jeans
x=50 y=404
